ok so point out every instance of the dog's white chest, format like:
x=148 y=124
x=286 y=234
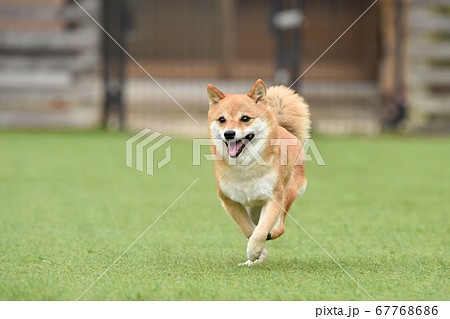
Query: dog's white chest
x=249 y=190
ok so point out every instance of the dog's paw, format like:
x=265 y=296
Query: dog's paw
x=251 y=263
x=257 y=261
x=255 y=249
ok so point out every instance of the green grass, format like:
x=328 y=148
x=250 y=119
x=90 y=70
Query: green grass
x=69 y=207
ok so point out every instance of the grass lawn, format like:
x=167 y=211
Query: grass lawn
x=69 y=207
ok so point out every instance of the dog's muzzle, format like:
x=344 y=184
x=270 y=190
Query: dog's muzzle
x=235 y=147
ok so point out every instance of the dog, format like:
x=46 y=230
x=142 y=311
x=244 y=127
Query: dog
x=258 y=137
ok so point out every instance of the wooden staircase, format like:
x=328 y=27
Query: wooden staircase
x=49 y=56
x=429 y=65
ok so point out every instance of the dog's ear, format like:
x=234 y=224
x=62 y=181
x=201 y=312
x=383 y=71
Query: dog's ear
x=214 y=94
x=258 y=92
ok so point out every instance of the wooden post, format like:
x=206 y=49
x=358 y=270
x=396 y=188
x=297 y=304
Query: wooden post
x=394 y=60
x=228 y=36
x=387 y=64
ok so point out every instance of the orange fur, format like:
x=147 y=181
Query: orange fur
x=291 y=111
x=256 y=196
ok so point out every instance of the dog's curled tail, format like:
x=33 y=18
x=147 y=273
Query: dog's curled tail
x=291 y=111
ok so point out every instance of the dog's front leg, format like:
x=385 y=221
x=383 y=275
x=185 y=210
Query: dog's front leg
x=269 y=216
x=239 y=214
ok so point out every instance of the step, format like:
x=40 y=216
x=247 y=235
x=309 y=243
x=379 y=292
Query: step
x=62 y=119
x=423 y=49
x=68 y=12
x=424 y=20
x=50 y=41
x=55 y=79
x=430 y=104
x=34 y=3
x=430 y=76
x=83 y=62
x=428 y=3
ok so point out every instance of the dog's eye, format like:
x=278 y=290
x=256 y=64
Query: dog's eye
x=245 y=118
x=221 y=119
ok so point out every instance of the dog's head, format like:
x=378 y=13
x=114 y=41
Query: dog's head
x=235 y=120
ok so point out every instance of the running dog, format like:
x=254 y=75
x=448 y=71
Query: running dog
x=258 y=137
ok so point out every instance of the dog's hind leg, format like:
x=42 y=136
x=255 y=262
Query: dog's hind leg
x=291 y=195
x=279 y=228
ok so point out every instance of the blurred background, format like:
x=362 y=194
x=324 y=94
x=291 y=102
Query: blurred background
x=58 y=69
x=70 y=98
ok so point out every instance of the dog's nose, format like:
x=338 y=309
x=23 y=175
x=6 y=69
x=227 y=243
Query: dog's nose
x=229 y=135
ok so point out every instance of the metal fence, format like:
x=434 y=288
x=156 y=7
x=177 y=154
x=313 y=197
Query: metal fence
x=59 y=69
x=187 y=44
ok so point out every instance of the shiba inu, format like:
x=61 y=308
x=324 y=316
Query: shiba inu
x=258 y=137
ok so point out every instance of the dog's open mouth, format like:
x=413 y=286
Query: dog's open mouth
x=234 y=148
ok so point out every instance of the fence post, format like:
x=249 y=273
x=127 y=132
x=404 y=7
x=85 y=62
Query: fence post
x=113 y=60
x=393 y=62
x=228 y=36
x=286 y=22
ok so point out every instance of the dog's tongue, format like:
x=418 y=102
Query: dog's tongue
x=233 y=148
